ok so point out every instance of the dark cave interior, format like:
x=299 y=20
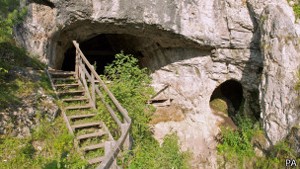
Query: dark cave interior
x=101 y=50
x=231 y=91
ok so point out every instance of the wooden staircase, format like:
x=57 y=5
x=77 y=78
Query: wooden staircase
x=90 y=132
x=81 y=91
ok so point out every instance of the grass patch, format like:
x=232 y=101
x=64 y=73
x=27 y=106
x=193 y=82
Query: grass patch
x=49 y=147
x=152 y=155
x=15 y=85
x=237 y=148
x=219 y=105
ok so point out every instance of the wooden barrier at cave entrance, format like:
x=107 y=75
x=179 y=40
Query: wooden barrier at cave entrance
x=92 y=87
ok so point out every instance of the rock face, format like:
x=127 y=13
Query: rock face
x=280 y=49
x=20 y=119
x=192 y=47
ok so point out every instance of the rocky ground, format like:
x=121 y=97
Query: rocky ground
x=32 y=102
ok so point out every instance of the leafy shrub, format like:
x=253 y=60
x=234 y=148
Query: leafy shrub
x=296 y=9
x=152 y=155
x=131 y=86
x=10 y=15
x=236 y=145
x=237 y=150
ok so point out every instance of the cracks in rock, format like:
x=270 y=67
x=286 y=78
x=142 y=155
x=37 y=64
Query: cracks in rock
x=227 y=23
x=256 y=31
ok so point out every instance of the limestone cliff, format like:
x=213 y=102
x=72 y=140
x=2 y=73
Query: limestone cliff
x=192 y=47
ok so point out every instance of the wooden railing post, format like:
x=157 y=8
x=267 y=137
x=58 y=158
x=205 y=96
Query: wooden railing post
x=93 y=88
x=107 y=148
x=82 y=74
x=127 y=142
x=77 y=64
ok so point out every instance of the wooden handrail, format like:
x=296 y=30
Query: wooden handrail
x=81 y=62
x=111 y=96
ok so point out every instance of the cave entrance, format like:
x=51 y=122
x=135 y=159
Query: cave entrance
x=228 y=98
x=100 y=50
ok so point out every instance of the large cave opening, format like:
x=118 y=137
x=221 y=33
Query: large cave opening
x=101 y=50
x=228 y=98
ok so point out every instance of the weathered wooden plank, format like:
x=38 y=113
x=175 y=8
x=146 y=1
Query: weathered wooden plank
x=95 y=160
x=88 y=106
x=85 y=125
x=93 y=147
x=81 y=116
x=91 y=135
x=93 y=89
x=75 y=99
x=67 y=85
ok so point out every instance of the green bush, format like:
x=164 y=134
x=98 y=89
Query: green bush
x=296 y=9
x=10 y=15
x=131 y=86
x=152 y=155
x=236 y=145
x=236 y=148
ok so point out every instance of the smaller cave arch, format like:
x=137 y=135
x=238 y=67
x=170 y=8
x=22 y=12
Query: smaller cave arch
x=228 y=98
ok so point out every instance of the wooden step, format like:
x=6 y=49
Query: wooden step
x=64 y=79
x=93 y=147
x=70 y=92
x=91 y=135
x=58 y=70
x=86 y=125
x=88 y=106
x=75 y=117
x=61 y=74
x=95 y=160
x=67 y=85
x=74 y=99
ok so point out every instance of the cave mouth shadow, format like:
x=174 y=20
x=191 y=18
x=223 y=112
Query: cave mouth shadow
x=229 y=94
x=151 y=53
x=100 y=51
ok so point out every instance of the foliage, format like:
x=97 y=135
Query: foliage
x=14 y=86
x=9 y=17
x=297 y=87
x=131 y=86
x=296 y=9
x=236 y=147
x=49 y=147
x=237 y=144
x=152 y=155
